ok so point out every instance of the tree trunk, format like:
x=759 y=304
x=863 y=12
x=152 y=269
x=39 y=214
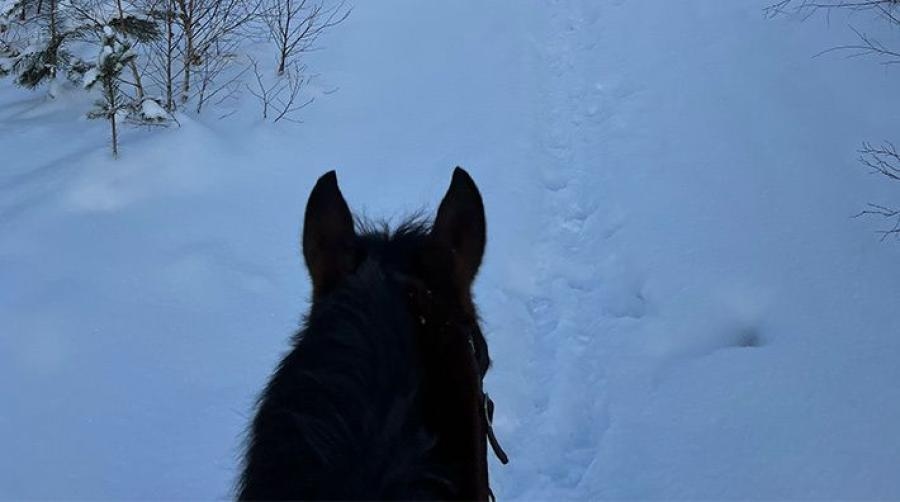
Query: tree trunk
x=201 y=96
x=187 y=27
x=186 y=81
x=170 y=101
x=115 y=138
x=285 y=36
x=282 y=60
x=110 y=89
x=54 y=37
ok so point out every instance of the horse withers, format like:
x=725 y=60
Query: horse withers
x=381 y=395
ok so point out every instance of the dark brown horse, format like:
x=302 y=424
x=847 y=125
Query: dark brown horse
x=381 y=396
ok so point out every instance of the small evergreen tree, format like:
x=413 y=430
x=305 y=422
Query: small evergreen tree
x=42 y=50
x=115 y=53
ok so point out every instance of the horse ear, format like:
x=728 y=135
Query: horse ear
x=328 y=235
x=460 y=224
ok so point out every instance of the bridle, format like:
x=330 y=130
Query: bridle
x=488 y=415
x=423 y=306
x=489 y=425
x=487 y=409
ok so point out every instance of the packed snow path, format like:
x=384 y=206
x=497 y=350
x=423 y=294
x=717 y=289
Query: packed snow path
x=677 y=300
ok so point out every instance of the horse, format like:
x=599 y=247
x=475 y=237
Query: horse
x=381 y=395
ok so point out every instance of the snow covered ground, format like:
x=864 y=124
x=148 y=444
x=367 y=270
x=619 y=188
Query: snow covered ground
x=677 y=299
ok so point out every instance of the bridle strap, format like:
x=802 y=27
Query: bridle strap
x=487 y=408
x=489 y=425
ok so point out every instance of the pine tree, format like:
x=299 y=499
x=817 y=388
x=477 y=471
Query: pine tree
x=43 y=51
x=115 y=53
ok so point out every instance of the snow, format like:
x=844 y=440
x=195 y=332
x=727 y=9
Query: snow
x=676 y=297
x=105 y=52
x=152 y=111
x=90 y=77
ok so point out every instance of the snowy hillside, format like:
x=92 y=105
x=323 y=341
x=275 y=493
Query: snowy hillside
x=676 y=297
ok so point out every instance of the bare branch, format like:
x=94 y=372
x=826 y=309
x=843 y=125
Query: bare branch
x=281 y=99
x=289 y=106
x=296 y=25
x=883 y=160
x=884 y=212
x=867 y=47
